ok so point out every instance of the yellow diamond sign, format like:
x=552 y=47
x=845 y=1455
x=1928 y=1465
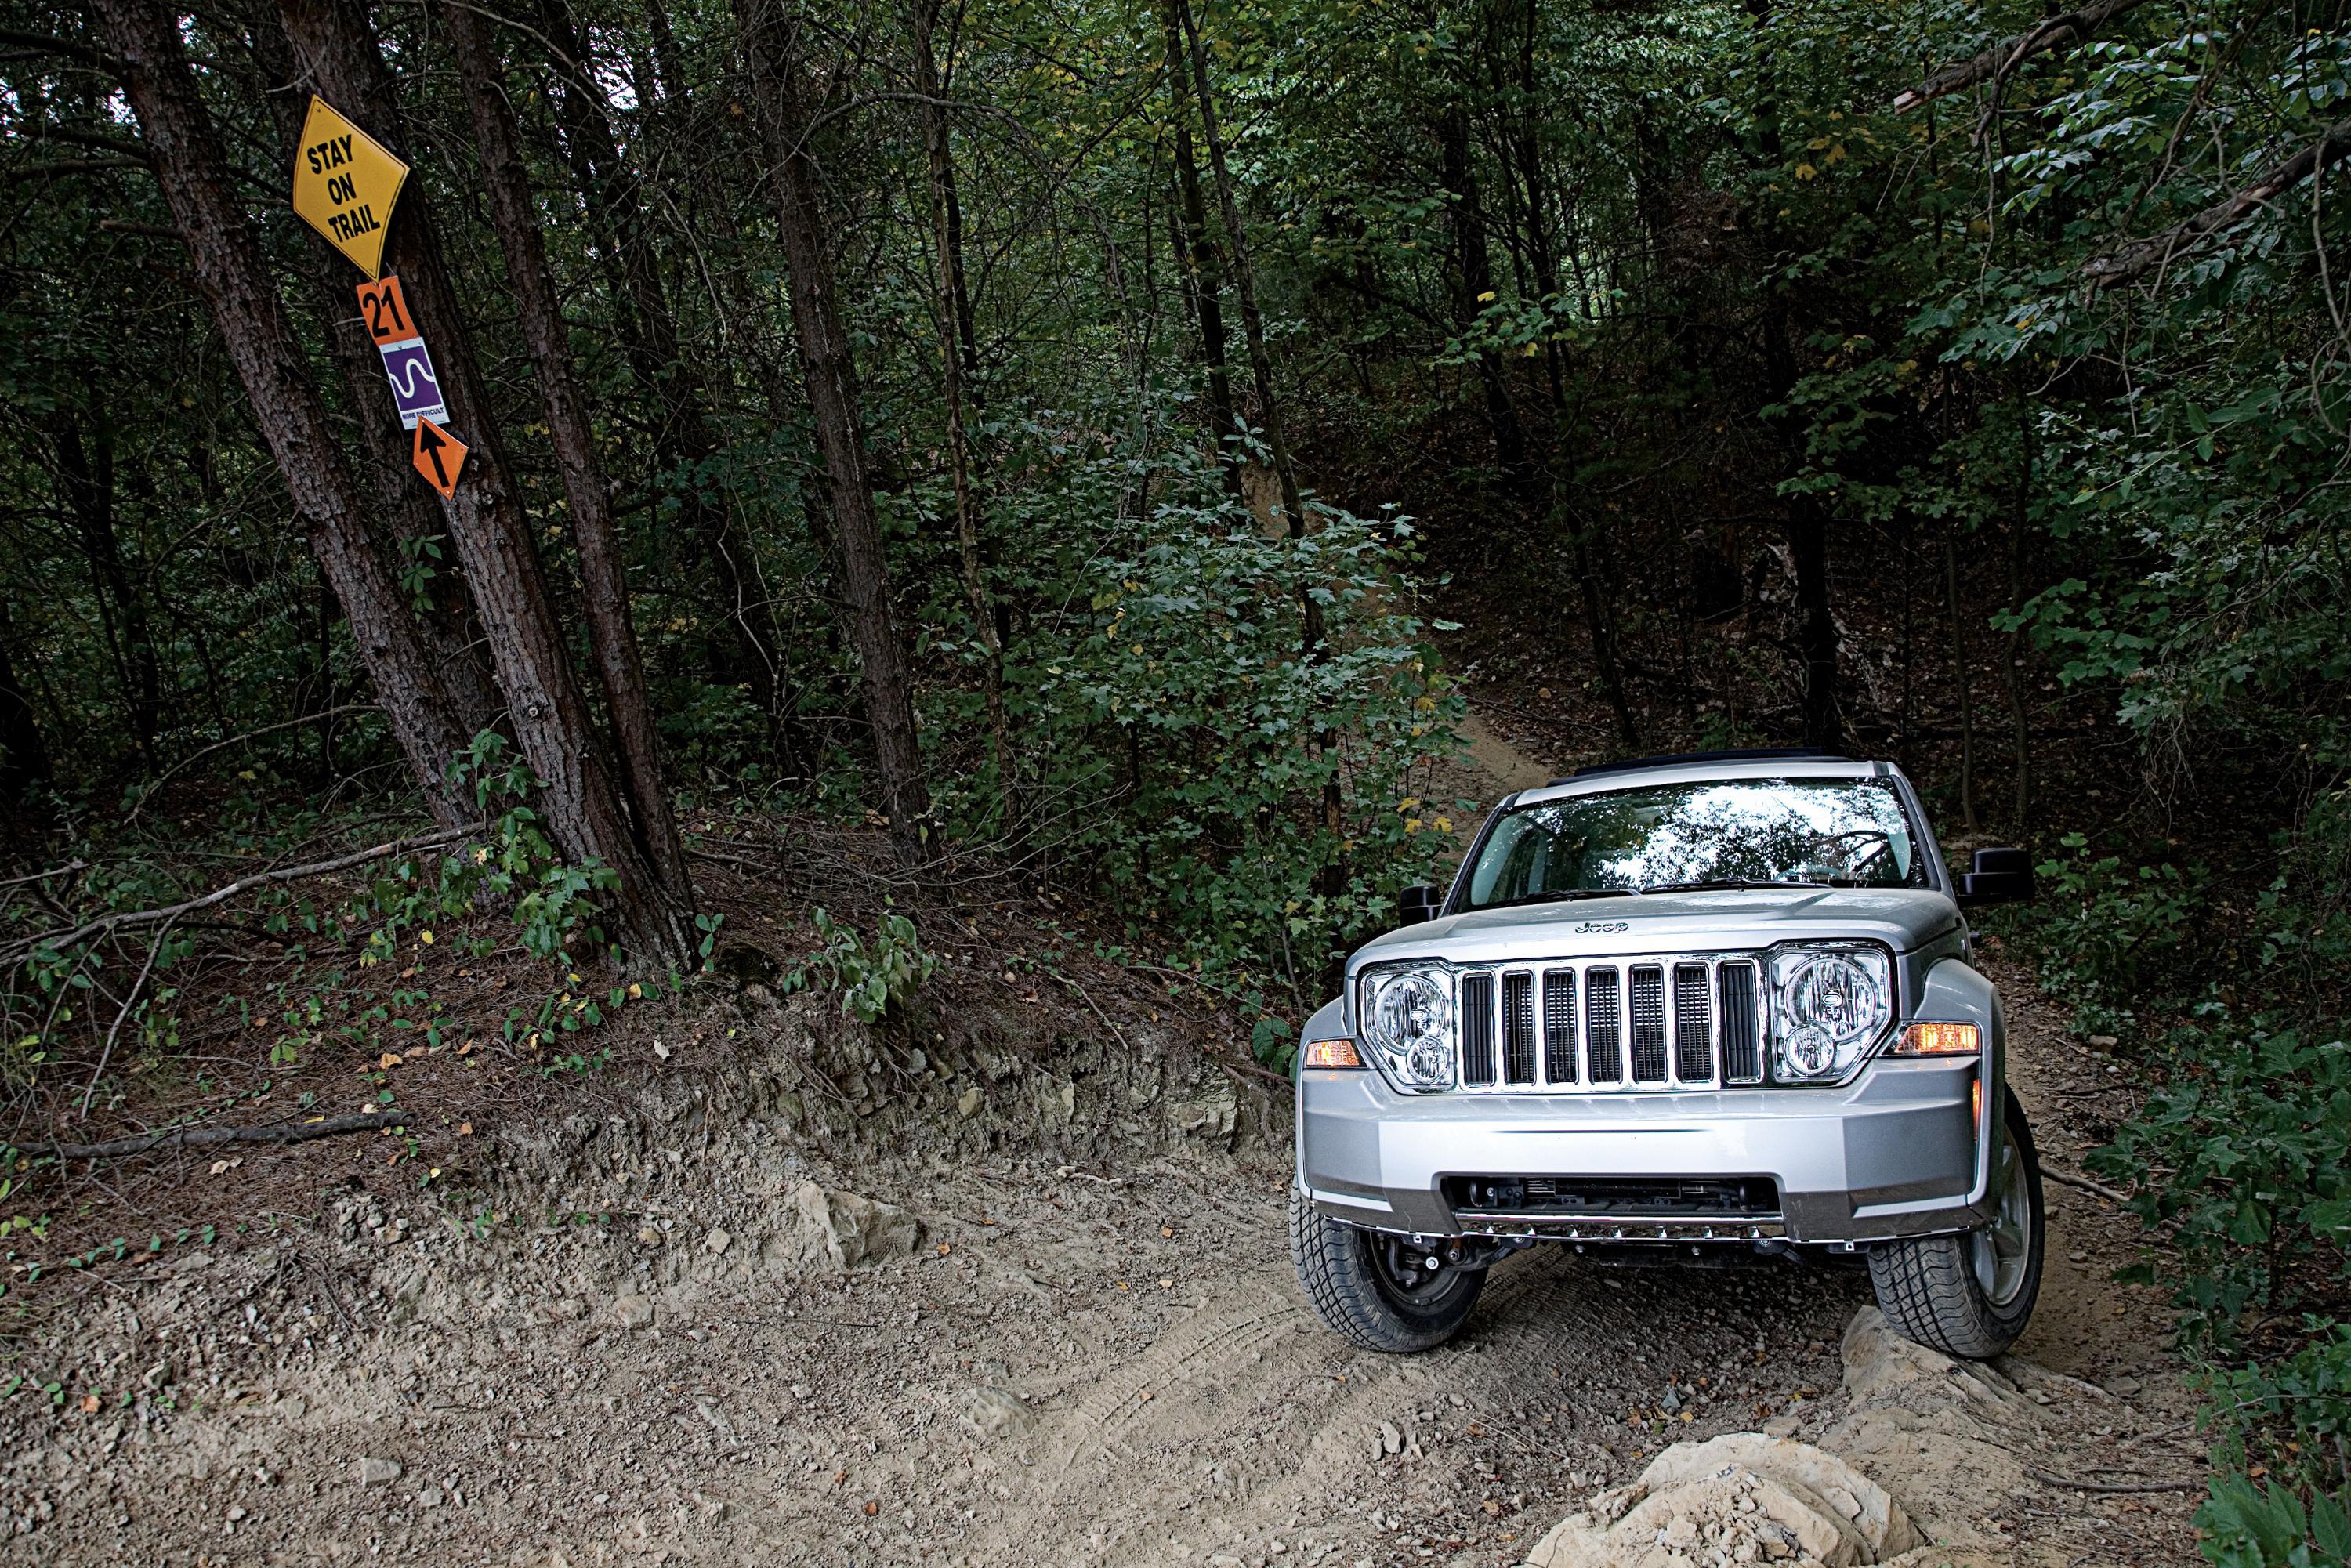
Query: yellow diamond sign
x=345 y=184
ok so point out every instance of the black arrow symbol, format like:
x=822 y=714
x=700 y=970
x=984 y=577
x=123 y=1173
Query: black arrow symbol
x=430 y=440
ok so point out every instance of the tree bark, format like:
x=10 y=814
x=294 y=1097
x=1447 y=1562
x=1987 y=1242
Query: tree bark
x=185 y=151
x=953 y=334
x=576 y=795
x=770 y=42
x=604 y=587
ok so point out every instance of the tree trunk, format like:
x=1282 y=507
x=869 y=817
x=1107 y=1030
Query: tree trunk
x=1960 y=677
x=2019 y=537
x=603 y=578
x=229 y=267
x=953 y=334
x=1196 y=255
x=647 y=325
x=771 y=41
x=576 y=796
x=407 y=520
x=1473 y=287
x=1269 y=410
x=1332 y=878
x=1808 y=553
x=24 y=758
x=86 y=470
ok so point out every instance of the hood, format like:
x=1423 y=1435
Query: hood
x=1902 y=918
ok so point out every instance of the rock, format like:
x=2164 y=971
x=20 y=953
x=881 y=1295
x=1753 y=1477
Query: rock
x=378 y=1473
x=1779 y=1426
x=716 y=1242
x=1858 y=1501
x=634 y=1311
x=841 y=1230
x=570 y=1309
x=429 y=1498
x=989 y=1414
x=2124 y=1388
x=968 y=1104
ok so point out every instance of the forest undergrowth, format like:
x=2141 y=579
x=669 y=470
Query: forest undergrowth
x=1036 y=449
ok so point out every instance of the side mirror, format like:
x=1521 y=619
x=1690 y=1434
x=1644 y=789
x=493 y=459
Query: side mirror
x=1414 y=905
x=2000 y=876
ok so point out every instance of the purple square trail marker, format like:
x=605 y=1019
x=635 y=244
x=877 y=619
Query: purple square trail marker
x=415 y=391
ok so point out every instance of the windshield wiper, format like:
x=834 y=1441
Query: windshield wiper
x=1727 y=884
x=1560 y=895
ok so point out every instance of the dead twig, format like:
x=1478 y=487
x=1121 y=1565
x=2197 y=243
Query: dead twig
x=197 y=1137
x=2084 y=1184
x=2053 y=1480
x=107 y=1055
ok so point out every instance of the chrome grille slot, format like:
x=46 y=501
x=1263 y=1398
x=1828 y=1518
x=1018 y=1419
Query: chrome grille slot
x=1518 y=1028
x=1648 y=1023
x=1604 y=1025
x=1742 y=1039
x=1693 y=1025
x=1559 y=1027
x=1477 y=1030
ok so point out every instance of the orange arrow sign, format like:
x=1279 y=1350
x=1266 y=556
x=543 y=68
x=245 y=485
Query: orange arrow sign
x=439 y=456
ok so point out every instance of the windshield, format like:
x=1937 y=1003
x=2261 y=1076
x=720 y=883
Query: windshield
x=1842 y=832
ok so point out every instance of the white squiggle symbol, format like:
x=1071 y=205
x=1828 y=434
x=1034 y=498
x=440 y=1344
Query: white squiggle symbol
x=406 y=376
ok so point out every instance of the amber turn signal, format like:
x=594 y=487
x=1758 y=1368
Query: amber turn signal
x=1939 y=1039
x=1332 y=1053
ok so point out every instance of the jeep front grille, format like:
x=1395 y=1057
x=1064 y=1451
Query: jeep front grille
x=1681 y=1021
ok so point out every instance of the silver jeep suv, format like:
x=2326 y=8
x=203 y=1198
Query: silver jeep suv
x=1690 y=1008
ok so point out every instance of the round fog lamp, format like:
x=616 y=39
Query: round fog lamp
x=1810 y=1050
x=1430 y=1064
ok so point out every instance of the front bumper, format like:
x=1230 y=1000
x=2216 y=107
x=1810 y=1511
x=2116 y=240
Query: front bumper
x=1897 y=1152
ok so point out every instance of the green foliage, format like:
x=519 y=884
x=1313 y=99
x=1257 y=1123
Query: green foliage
x=873 y=979
x=2246 y=1524
x=2243 y=1156
x=2103 y=935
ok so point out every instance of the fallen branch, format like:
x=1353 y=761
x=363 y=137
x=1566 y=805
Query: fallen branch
x=2084 y=1184
x=2332 y=145
x=1995 y=63
x=2041 y=1475
x=198 y=1137
x=130 y=918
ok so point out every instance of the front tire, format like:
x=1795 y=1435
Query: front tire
x=1360 y=1284
x=1971 y=1295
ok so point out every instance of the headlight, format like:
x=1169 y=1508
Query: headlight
x=1828 y=1004
x=1409 y=1021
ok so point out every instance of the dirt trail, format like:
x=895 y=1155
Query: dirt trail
x=1085 y=1360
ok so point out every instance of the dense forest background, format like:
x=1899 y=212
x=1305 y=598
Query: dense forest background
x=1070 y=440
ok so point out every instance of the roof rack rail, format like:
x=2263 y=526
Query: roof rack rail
x=1743 y=754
